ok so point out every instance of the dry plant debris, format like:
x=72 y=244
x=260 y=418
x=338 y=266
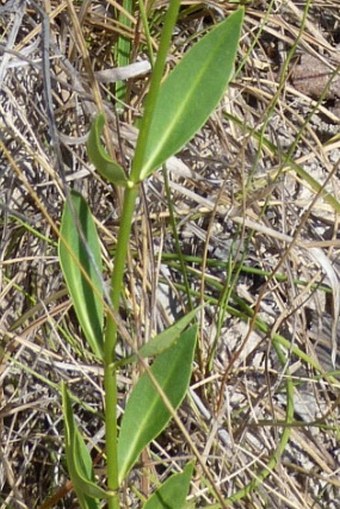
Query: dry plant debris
x=256 y=200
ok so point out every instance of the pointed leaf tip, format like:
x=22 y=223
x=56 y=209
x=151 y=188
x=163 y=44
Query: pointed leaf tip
x=172 y=494
x=145 y=406
x=191 y=92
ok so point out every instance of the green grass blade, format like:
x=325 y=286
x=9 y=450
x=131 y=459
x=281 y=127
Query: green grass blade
x=191 y=93
x=81 y=271
x=106 y=167
x=123 y=49
x=146 y=414
x=172 y=494
x=79 y=460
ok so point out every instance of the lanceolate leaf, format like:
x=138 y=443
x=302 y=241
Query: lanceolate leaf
x=105 y=166
x=162 y=341
x=191 y=93
x=172 y=494
x=86 y=292
x=79 y=461
x=145 y=414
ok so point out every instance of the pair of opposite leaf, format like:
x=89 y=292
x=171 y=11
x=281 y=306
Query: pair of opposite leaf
x=144 y=418
x=184 y=102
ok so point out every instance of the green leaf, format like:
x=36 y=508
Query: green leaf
x=82 y=272
x=105 y=166
x=172 y=494
x=191 y=92
x=145 y=414
x=79 y=461
x=162 y=341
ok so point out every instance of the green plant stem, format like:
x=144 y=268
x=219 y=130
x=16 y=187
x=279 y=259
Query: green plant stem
x=157 y=75
x=130 y=196
x=110 y=381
